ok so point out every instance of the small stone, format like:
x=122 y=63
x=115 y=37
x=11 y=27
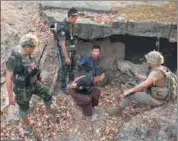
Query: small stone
x=121 y=135
x=3 y=79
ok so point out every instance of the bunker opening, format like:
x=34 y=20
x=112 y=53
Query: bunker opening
x=131 y=48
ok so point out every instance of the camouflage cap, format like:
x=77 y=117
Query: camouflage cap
x=155 y=58
x=29 y=40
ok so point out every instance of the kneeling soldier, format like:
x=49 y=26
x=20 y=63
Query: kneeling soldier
x=161 y=86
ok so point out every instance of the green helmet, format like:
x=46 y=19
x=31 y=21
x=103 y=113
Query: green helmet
x=155 y=58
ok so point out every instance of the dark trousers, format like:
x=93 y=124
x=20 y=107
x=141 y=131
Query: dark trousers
x=87 y=101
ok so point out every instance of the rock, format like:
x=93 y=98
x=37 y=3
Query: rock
x=124 y=67
x=3 y=79
x=143 y=132
x=173 y=34
x=96 y=114
x=158 y=124
x=171 y=131
x=12 y=113
x=34 y=100
x=121 y=135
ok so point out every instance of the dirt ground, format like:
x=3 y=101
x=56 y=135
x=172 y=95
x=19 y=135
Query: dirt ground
x=19 y=18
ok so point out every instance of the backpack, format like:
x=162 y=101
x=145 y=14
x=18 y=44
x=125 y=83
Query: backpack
x=171 y=83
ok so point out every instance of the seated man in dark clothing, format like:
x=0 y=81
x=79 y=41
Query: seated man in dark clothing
x=85 y=93
x=89 y=62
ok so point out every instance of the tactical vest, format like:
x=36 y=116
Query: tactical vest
x=21 y=75
x=70 y=41
x=62 y=27
x=169 y=92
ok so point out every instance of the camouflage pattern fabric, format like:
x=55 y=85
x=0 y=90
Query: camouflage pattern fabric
x=64 y=31
x=23 y=95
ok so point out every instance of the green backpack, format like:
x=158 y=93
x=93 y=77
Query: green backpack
x=171 y=83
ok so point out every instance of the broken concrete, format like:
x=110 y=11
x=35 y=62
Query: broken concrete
x=102 y=6
x=87 y=28
x=155 y=125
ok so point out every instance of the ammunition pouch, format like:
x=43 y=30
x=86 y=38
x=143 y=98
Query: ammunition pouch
x=159 y=93
x=25 y=80
x=72 y=48
x=21 y=80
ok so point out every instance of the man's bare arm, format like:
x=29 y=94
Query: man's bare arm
x=141 y=77
x=64 y=50
x=9 y=83
x=139 y=87
x=142 y=86
x=78 y=78
x=72 y=86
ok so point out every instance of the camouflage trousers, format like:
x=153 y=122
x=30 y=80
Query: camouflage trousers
x=141 y=98
x=66 y=70
x=23 y=95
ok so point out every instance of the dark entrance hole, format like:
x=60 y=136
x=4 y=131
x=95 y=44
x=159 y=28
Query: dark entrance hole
x=137 y=47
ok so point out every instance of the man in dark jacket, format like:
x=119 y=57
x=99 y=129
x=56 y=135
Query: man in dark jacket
x=89 y=63
x=84 y=92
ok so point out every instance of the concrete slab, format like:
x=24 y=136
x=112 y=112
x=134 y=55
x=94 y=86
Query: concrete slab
x=119 y=20
x=94 y=6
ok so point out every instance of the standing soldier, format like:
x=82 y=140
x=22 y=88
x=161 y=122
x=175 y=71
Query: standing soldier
x=161 y=86
x=23 y=73
x=66 y=47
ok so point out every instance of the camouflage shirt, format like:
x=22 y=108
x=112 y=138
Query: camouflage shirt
x=64 y=32
x=24 y=68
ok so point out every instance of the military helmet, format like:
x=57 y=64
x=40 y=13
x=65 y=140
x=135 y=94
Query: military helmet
x=29 y=40
x=155 y=58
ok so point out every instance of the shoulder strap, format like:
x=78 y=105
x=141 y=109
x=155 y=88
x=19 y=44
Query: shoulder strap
x=17 y=57
x=163 y=70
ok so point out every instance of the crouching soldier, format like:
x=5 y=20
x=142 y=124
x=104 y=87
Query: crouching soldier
x=23 y=73
x=161 y=86
x=85 y=93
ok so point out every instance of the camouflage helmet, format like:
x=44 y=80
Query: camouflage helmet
x=155 y=58
x=29 y=40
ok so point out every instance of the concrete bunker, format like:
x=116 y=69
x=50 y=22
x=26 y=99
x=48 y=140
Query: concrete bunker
x=121 y=40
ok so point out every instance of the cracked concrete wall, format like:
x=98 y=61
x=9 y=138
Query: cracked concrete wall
x=88 y=29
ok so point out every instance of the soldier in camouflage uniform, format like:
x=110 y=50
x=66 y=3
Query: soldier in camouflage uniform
x=66 y=48
x=24 y=74
x=160 y=86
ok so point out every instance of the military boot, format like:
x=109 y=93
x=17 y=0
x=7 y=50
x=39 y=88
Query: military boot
x=117 y=111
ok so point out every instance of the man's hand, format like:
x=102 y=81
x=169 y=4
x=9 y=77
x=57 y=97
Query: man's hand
x=12 y=100
x=137 y=75
x=128 y=92
x=68 y=86
x=67 y=60
x=72 y=86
